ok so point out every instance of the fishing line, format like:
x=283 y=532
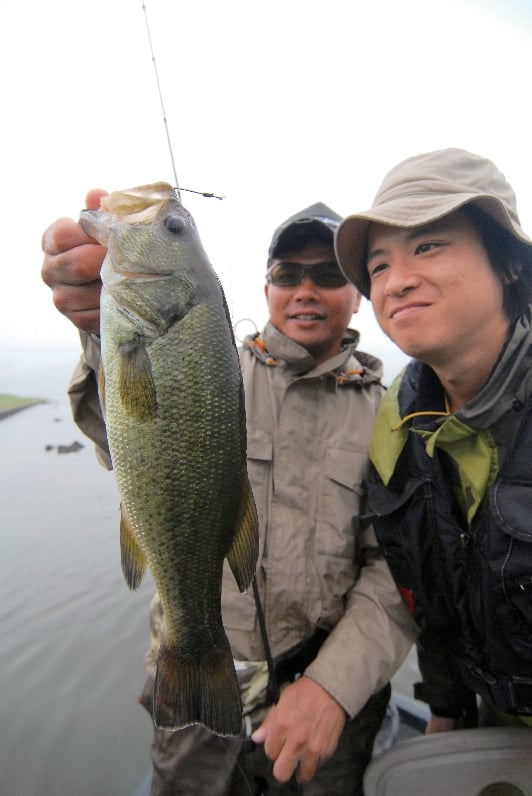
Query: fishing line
x=162 y=103
x=206 y=194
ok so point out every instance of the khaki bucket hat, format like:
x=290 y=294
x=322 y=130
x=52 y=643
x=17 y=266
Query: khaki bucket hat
x=422 y=189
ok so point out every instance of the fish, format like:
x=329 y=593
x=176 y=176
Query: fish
x=172 y=396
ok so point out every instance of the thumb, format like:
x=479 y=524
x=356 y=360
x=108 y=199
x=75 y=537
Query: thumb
x=92 y=200
x=259 y=736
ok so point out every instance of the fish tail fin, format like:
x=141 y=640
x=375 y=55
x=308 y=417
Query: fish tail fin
x=189 y=690
x=242 y=556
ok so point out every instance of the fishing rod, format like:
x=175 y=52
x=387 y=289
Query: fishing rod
x=206 y=194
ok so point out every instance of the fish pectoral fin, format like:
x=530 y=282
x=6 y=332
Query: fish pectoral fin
x=136 y=385
x=133 y=560
x=242 y=556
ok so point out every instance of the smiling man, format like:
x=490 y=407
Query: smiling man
x=329 y=611
x=437 y=296
x=309 y=299
x=448 y=270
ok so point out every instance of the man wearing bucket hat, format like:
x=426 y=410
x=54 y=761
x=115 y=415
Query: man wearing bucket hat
x=448 y=270
x=329 y=612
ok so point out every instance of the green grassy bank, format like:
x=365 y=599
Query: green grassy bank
x=14 y=403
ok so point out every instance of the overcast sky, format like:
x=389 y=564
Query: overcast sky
x=273 y=105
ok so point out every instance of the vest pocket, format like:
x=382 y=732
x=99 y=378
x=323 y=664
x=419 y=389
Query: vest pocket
x=511 y=504
x=507 y=553
x=421 y=546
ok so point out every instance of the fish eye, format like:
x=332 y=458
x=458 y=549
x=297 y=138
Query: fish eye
x=174 y=224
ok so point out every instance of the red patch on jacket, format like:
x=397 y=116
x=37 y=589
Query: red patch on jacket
x=408 y=597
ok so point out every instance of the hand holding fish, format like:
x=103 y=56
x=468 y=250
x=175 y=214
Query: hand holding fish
x=302 y=730
x=71 y=268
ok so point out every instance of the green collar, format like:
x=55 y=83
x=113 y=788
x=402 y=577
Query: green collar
x=473 y=452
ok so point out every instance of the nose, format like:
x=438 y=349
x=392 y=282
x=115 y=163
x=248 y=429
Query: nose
x=306 y=289
x=400 y=277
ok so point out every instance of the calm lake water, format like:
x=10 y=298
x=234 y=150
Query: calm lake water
x=73 y=636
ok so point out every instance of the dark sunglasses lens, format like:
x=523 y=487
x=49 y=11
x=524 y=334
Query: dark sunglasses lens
x=285 y=275
x=292 y=274
x=327 y=275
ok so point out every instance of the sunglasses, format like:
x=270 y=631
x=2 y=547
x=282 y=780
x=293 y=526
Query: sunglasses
x=292 y=274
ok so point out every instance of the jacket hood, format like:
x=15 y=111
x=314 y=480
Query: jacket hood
x=274 y=348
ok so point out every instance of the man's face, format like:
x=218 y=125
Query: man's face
x=434 y=291
x=315 y=317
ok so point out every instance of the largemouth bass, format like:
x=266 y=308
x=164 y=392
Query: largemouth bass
x=173 y=401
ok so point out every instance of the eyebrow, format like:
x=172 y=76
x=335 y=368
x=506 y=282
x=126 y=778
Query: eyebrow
x=433 y=228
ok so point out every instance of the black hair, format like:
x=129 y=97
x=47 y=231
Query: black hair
x=510 y=258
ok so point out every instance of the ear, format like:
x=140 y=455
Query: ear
x=266 y=290
x=356 y=300
x=512 y=272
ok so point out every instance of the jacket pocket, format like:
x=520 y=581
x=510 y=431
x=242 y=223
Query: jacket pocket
x=338 y=523
x=347 y=467
x=259 y=463
x=238 y=610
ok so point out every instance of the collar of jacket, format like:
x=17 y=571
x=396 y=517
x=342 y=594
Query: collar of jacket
x=415 y=401
x=473 y=451
x=275 y=349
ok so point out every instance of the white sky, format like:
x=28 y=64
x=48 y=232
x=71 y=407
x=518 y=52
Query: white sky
x=274 y=105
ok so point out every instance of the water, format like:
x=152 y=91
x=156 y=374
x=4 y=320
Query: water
x=72 y=635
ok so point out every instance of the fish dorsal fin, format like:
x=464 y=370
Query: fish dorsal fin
x=134 y=561
x=242 y=556
x=136 y=385
x=138 y=205
x=137 y=200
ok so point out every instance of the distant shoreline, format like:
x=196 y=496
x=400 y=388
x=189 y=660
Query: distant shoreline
x=12 y=409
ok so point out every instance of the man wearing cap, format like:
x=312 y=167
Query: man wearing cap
x=333 y=620
x=448 y=270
